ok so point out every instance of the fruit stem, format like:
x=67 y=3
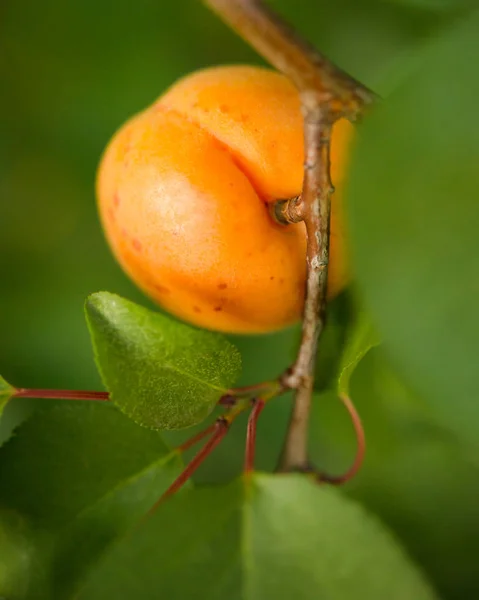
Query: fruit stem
x=61 y=394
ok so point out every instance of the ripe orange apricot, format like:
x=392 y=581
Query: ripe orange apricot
x=183 y=190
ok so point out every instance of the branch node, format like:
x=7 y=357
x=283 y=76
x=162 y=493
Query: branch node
x=287 y=212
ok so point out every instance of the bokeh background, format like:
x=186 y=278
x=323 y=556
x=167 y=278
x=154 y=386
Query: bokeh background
x=73 y=72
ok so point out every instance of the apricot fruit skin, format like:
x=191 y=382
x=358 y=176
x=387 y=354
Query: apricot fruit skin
x=183 y=192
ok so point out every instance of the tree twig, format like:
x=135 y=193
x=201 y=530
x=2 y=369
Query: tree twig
x=281 y=46
x=327 y=93
x=317 y=190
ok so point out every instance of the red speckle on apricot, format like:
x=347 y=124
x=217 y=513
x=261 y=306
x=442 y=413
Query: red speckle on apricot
x=137 y=245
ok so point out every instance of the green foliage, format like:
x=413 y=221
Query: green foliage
x=16 y=552
x=76 y=478
x=93 y=531
x=417 y=477
x=82 y=474
x=259 y=537
x=162 y=374
x=65 y=459
x=348 y=336
x=414 y=222
x=6 y=392
x=361 y=338
x=436 y=5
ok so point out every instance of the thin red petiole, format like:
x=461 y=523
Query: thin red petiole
x=62 y=394
x=258 y=406
x=220 y=430
x=53 y=394
x=251 y=389
x=267 y=389
x=361 y=447
x=196 y=438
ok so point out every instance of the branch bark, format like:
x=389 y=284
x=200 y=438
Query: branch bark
x=327 y=93
x=316 y=208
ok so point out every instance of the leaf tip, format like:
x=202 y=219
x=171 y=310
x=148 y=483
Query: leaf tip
x=98 y=302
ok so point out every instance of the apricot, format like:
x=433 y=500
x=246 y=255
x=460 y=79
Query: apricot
x=184 y=188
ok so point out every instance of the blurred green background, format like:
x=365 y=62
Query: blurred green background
x=73 y=72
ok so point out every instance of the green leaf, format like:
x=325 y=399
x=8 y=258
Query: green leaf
x=414 y=219
x=6 y=392
x=260 y=537
x=83 y=474
x=162 y=374
x=361 y=337
x=16 y=552
x=25 y=552
x=89 y=536
x=435 y=5
x=416 y=476
x=65 y=459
